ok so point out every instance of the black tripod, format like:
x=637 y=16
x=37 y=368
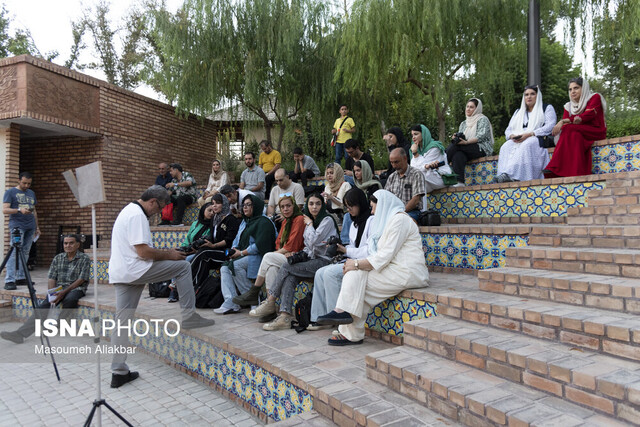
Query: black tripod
x=16 y=245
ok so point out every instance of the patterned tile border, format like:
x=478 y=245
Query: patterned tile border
x=611 y=158
x=532 y=201
x=266 y=392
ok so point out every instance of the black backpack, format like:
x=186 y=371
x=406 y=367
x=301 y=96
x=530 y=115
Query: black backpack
x=209 y=293
x=159 y=289
x=302 y=312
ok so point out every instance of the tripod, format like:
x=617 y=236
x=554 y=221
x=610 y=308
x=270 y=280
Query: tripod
x=16 y=245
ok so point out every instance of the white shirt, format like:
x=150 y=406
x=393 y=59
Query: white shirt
x=361 y=251
x=131 y=228
x=295 y=189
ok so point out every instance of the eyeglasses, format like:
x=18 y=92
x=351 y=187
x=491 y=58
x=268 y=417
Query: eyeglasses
x=247 y=205
x=160 y=206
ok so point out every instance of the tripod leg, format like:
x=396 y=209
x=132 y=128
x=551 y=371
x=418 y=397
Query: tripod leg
x=116 y=413
x=6 y=259
x=87 y=423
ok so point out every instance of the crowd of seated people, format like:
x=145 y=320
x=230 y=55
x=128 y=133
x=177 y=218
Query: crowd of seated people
x=267 y=251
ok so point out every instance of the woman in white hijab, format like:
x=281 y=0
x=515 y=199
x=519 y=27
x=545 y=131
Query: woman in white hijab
x=522 y=157
x=395 y=262
x=478 y=141
x=582 y=123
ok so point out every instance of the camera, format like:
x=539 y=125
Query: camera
x=298 y=257
x=228 y=253
x=332 y=246
x=457 y=137
x=16 y=237
x=194 y=246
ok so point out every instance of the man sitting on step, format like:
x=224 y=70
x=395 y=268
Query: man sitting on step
x=235 y=197
x=69 y=269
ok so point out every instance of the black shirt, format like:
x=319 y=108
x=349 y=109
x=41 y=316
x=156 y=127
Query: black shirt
x=348 y=164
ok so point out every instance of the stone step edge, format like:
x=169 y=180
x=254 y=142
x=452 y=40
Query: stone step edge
x=524 y=363
x=588 y=290
x=507 y=229
x=470 y=396
x=606 y=331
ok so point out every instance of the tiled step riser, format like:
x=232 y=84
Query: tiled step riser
x=526 y=365
x=612 y=264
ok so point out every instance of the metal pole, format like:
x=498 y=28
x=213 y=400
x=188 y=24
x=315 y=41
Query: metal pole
x=533 y=44
x=96 y=317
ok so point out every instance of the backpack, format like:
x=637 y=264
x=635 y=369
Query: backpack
x=302 y=312
x=159 y=289
x=209 y=293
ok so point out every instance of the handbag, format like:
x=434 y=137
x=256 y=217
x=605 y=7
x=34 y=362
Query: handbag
x=335 y=135
x=167 y=212
x=429 y=218
x=449 y=178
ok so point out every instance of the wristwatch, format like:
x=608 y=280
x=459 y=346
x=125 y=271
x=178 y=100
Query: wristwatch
x=356 y=264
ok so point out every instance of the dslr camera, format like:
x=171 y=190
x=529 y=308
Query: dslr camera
x=457 y=137
x=298 y=257
x=194 y=246
x=332 y=246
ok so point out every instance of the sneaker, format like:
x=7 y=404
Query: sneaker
x=283 y=321
x=120 y=380
x=223 y=311
x=335 y=318
x=12 y=336
x=248 y=298
x=177 y=224
x=266 y=307
x=196 y=321
x=10 y=286
x=173 y=296
x=315 y=327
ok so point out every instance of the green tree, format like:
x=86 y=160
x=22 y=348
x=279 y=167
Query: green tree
x=20 y=42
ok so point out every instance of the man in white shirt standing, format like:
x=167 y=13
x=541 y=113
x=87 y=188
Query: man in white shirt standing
x=135 y=262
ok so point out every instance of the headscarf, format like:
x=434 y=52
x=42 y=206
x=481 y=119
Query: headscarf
x=536 y=116
x=258 y=226
x=202 y=223
x=226 y=210
x=321 y=215
x=364 y=211
x=402 y=141
x=338 y=177
x=575 y=108
x=367 y=176
x=387 y=206
x=472 y=122
x=428 y=142
x=217 y=176
x=286 y=226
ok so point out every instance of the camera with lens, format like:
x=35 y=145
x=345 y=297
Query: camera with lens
x=332 y=246
x=457 y=137
x=194 y=246
x=16 y=237
x=298 y=257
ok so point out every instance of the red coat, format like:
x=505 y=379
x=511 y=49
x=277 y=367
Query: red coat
x=572 y=156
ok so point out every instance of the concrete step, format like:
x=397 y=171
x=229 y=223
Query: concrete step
x=630 y=217
x=591 y=290
x=595 y=236
x=610 y=261
x=558 y=369
x=605 y=331
x=476 y=398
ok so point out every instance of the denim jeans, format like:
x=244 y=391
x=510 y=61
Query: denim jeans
x=340 y=153
x=27 y=240
x=326 y=288
x=233 y=282
x=346 y=226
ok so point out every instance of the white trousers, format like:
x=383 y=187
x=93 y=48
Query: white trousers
x=269 y=267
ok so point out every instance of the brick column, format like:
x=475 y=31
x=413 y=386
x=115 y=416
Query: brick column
x=9 y=170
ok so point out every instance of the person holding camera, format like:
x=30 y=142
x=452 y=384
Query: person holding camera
x=473 y=140
x=328 y=279
x=289 y=241
x=395 y=262
x=523 y=156
x=19 y=203
x=256 y=237
x=319 y=228
x=429 y=158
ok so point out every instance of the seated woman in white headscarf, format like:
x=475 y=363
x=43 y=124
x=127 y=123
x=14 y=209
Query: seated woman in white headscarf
x=522 y=157
x=395 y=262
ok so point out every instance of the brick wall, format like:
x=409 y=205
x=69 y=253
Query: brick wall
x=11 y=151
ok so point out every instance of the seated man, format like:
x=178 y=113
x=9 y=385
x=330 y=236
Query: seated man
x=406 y=183
x=270 y=161
x=305 y=168
x=183 y=191
x=70 y=270
x=285 y=187
x=165 y=177
x=252 y=178
x=235 y=197
x=352 y=147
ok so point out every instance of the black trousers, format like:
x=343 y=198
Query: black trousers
x=458 y=156
x=68 y=303
x=205 y=261
x=302 y=176
x=180 y=203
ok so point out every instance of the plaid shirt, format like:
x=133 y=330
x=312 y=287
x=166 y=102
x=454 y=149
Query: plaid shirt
x=184 y=191
x=407 y=186
x=65 y=272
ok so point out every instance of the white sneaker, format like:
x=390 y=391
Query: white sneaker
x=266 y=307
x=283 y=321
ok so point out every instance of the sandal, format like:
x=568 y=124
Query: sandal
x=341 y=340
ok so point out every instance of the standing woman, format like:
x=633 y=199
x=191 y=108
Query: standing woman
x=395 y=262
x=582 y=123
x=478 y=143
x=217 y=179
x=256 y=236
x=427 y=153
x=523 y=156
x=319 y=227
x=363 y=178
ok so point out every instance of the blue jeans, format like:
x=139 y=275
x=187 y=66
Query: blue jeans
x=27 y=239
x=340 y=153
x=414 y=214
x=346 y=226
x=232 y=283
x=326 y=288
x=350 y=180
